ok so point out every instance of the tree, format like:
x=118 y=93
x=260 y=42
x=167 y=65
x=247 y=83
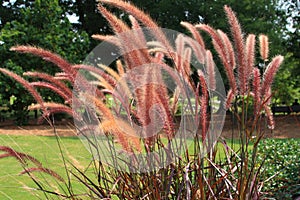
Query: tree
x=286 y=86
x=42 y=24
x=270 y=17
x=291 y=19
x=90 y=19
x=277 y=19
x=256 y=16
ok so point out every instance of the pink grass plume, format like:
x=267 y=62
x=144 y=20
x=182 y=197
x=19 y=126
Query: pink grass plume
x=264 y=47
x=270 y=72
x=239 y=46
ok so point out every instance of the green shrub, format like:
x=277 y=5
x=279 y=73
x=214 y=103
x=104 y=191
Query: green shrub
x=281 y=170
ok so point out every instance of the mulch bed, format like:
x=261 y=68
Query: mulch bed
x=286 y=126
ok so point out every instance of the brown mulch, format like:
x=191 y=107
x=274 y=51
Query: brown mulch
x=286 y=126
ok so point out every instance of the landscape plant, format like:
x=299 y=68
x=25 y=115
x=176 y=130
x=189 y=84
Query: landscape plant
x=281 y=174
x=136 y=81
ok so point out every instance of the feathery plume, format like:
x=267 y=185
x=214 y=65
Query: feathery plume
x=110 y=127
x=117 y=25
x=126 y=134
x=55 y=108
x=270 y=72
x=135 y=24
x=137 y=13
x=102 y=108
x=226 y=56
x=153 y=96
x=256 y=91
x=142 y=17
x=175 y=98
x=186 y=61
x=250 y=54
x=98 y=71
x=129 y=44
x=229 y=99
x=179 y=43
x=216 y=38
x=122 y=84
x=48 y=56
x=54 y=88
x=228 y=69
x=26 y=85
x=230 y=56
x=52 y=80
x=21 y=157
x=210 y=68
x=271 y=123
x=110 y=71
x=166 y=113
x=204 y=104
x=44 y=170
x=182 y=63
x=194 y=32
x=132 y=44
x=264 y=47
x=137 y=31
x=107 y=38
x=239 y=45
x=120 y=68
x=101 y=82
x=198 y=50
x=158 y=57
x=62 y=76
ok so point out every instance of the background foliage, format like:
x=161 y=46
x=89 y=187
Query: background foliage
x=43 y=24
x=46 y=24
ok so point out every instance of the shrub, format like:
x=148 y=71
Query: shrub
x=281 y=171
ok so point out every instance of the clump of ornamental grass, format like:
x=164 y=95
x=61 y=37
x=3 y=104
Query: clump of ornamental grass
x=193 y=174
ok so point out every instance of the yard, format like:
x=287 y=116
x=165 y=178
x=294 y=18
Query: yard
x=152 y=74
x=287 y=126
x=39 y=142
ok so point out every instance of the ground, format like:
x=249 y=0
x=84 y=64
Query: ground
x=286 y=126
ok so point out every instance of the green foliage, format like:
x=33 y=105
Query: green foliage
x=277 y=19
x=281 y=170
x=42 y=24
x=290 y=17
x=286 y=84
x=269 y=18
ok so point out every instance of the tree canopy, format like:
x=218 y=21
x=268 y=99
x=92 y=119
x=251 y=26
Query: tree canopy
x=43 y=24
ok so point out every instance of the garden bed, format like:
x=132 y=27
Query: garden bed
x=286 y=126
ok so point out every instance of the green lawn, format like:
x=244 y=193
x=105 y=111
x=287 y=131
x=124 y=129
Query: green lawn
x=46 y=150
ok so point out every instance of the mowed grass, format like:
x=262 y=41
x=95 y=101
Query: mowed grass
x=46 y=150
